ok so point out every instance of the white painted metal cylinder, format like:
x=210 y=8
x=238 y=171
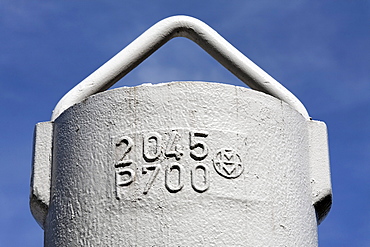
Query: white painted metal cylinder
x=181 y=164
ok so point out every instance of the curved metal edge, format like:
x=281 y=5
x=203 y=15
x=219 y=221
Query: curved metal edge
x=155 y=37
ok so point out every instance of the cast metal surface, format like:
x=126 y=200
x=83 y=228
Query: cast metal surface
x=181 y=163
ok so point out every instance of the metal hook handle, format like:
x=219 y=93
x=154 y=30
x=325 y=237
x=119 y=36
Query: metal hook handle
x=156 y=36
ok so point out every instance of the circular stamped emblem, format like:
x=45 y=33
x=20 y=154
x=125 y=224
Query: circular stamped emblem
x=227 y=163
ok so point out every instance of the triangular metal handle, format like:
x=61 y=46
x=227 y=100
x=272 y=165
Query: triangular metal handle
x=156 y=36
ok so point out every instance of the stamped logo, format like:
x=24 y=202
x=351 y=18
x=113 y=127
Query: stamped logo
x=228 y=164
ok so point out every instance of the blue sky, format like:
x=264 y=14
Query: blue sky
x=319 y=50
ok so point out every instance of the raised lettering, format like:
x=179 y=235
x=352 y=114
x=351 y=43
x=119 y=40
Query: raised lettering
x=152 y=146
x=198 y=148
x=173 y=183
x=155 y=170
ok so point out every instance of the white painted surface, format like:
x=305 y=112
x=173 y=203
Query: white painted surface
x=41 y=171
x=182 y=163
x=181 y=192
x=158 y=35
x=320 y=168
